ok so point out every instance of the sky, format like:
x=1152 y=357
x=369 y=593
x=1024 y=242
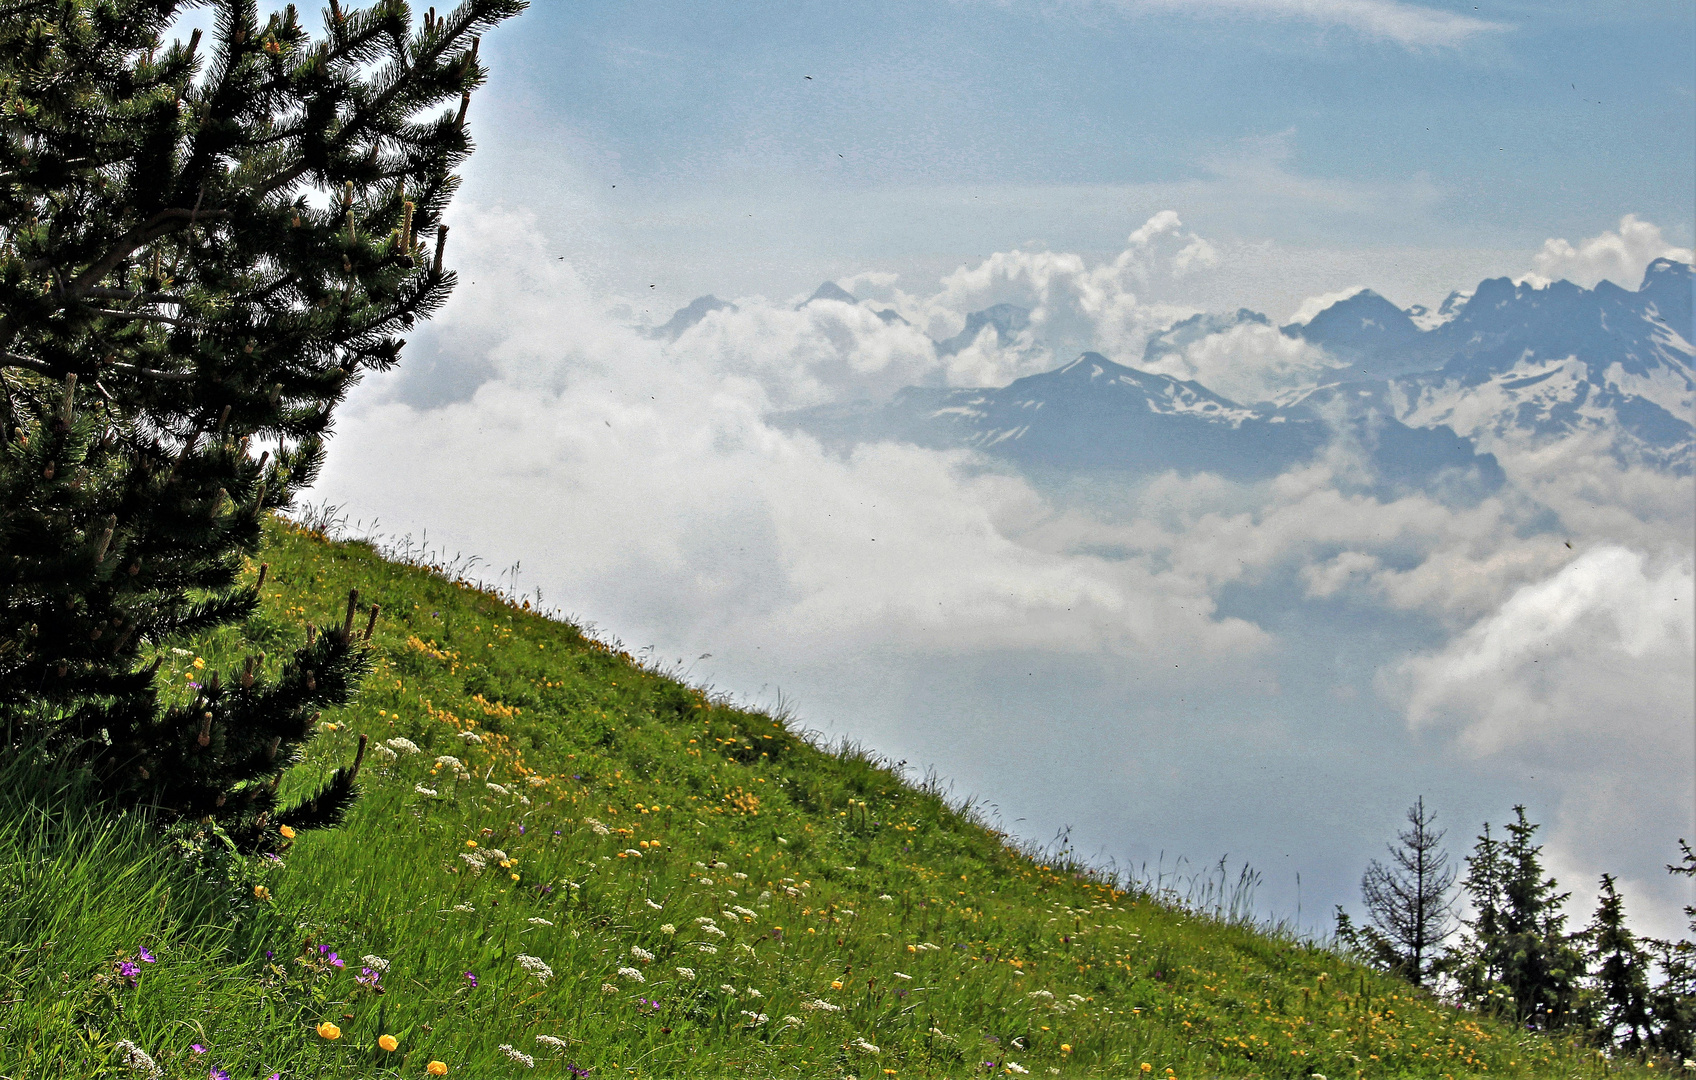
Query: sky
x=1175 y=669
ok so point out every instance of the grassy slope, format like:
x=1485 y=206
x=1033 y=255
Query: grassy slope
x=851 y=909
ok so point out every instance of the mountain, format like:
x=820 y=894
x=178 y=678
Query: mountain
x=830 y=290
x=1522 y=361
x=1096 y=415
x=686 y=317
x=1376 y=337
x=1007 y=319
x=1180 y=335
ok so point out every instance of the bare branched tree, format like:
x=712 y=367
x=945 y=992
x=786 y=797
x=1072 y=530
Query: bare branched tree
x=1408 y=900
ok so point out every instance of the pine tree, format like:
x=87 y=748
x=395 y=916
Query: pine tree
x=1620 y=968
x=1673 y=1001
x=1518 y=954
x=200 y=253
x=1408 y=902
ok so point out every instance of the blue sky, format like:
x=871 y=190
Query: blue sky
x=1227 y=682
x=1484 y=126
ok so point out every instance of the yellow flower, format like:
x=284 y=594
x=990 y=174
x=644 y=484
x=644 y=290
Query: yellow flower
x=1146 y=1067
x=836 y=984
x=327 y=1030
x=262 y=892
x=1065 y=1048
x=388 y=1042
x=437 y=1068
x=288 y=833
x=471 y=843
x=199 y=663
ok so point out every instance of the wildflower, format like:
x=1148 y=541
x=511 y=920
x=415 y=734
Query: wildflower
x=901 y=975
x=609 y=988
x=704 y=947
x=369 y=978
x=792 y=1021
x=517 y=1055
x=630 y=853
x=471 y=736
x=742 y=911
x=388 y=1042
x=288 y=833
x=598 y=828
x=551 y=1040
x=1040 y=994
x=405 y=746
x=472 y=859
x=1016 y=1069
x=437 y=1068
x=472 y=979
x=865 y=1047
x=127 y=969
x=754 y=1018
x=686 y=973
x=713 y=930
x=136 y=1058
x=836 y=984
x=146 y=957
x=1146 y=1067
x=641 y=954
x=450 y=761
x=706 y=881
x=632 y=974
x=216 y=1073
x=656 y=907
x=885 y=896
x=820 y=1005
x=739 y=875
x=535 y=921
x=375 y=962
x=668 y=929
x=465 y=909
x=727 y=988
x=260 y=892
x=498 y=855
x=197 y=1048
x=497 y=789
x=422 y=790
x=536 y=966
x=1065 y=1048
x=384 y=753
x=721 y=866
x=327 y=1030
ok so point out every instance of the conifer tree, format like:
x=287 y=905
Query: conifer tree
x=1620 y=968
x=1408 y=901
x=1518 y=955
x=201 y=250
x=1673 y=1000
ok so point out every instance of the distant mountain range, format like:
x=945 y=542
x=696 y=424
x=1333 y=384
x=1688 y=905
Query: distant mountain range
x=1423 y=395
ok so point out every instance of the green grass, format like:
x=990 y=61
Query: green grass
x=850 y=908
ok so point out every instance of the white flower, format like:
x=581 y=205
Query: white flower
x=497 y=789
x=754 y=1017
x=704 y=947
x=766 y=895
x=656 y=907
x=536 y=966
x=865 y=1047
x=886 y=896
x=792 y=1021
x=517 y=1055
x=641 y=954
x=715 y=931
x=632 y=974
x=405 y=746
x=739 y=875
x=1040 y=994
x=1079 y=998
x=375 y=963
x=465 y=908
x=740 y=910
x=422 y=790
x=538 y=921
x=1016 y=1069
x=451 y=761
x=820 y=1005
x=791 y=890
x=700 y=866
x=136 y=1058
x=848 y=913
x=706 y=881
x=745 y=948
x=704 y=920
x=686 y=973
x=608 y=988
x=471 y=736
x=751 y=992
x=383 y=753
x=473 y=858
x=727 y=988
x=632 y=852
x=551 y=1040
x=537 y=781
x=901 y=975
x=721 y=866
x=496 y=854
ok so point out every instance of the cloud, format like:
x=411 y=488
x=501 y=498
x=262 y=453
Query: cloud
x=1620 y=256
x=1586 y=676
x=1248 y=362
x=1411 y=25
x=1313 y=305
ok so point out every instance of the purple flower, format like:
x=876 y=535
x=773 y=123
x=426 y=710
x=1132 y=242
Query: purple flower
x=269 y=955
x=521 y=830
x=575 y=1070
x=146 y=957
x=336 y=961
x=217 y=1074
x=472 y=979
x=128 y=970
x=368 y=978
x=197 y=1048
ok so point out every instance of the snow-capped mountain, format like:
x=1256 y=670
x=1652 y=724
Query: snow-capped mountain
x=1521 y=362
x=1186 y=332
x=830 y=290
x=1007 y=320
x=1096 y=415
x=685 y=317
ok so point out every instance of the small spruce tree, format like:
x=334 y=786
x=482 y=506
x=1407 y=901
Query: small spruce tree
x=201 y=250
x=1673 y=999
x=1620 y=970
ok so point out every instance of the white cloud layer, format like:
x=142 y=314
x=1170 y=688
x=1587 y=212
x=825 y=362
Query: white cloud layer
x=1618 y=256
x=1412 y=25
x=645 y=487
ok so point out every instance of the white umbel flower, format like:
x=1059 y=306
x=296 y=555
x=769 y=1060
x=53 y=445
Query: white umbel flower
x=405 y=746
x=136 y=1058
x=536 y=966
x=632 y=974
x=517 y=1055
